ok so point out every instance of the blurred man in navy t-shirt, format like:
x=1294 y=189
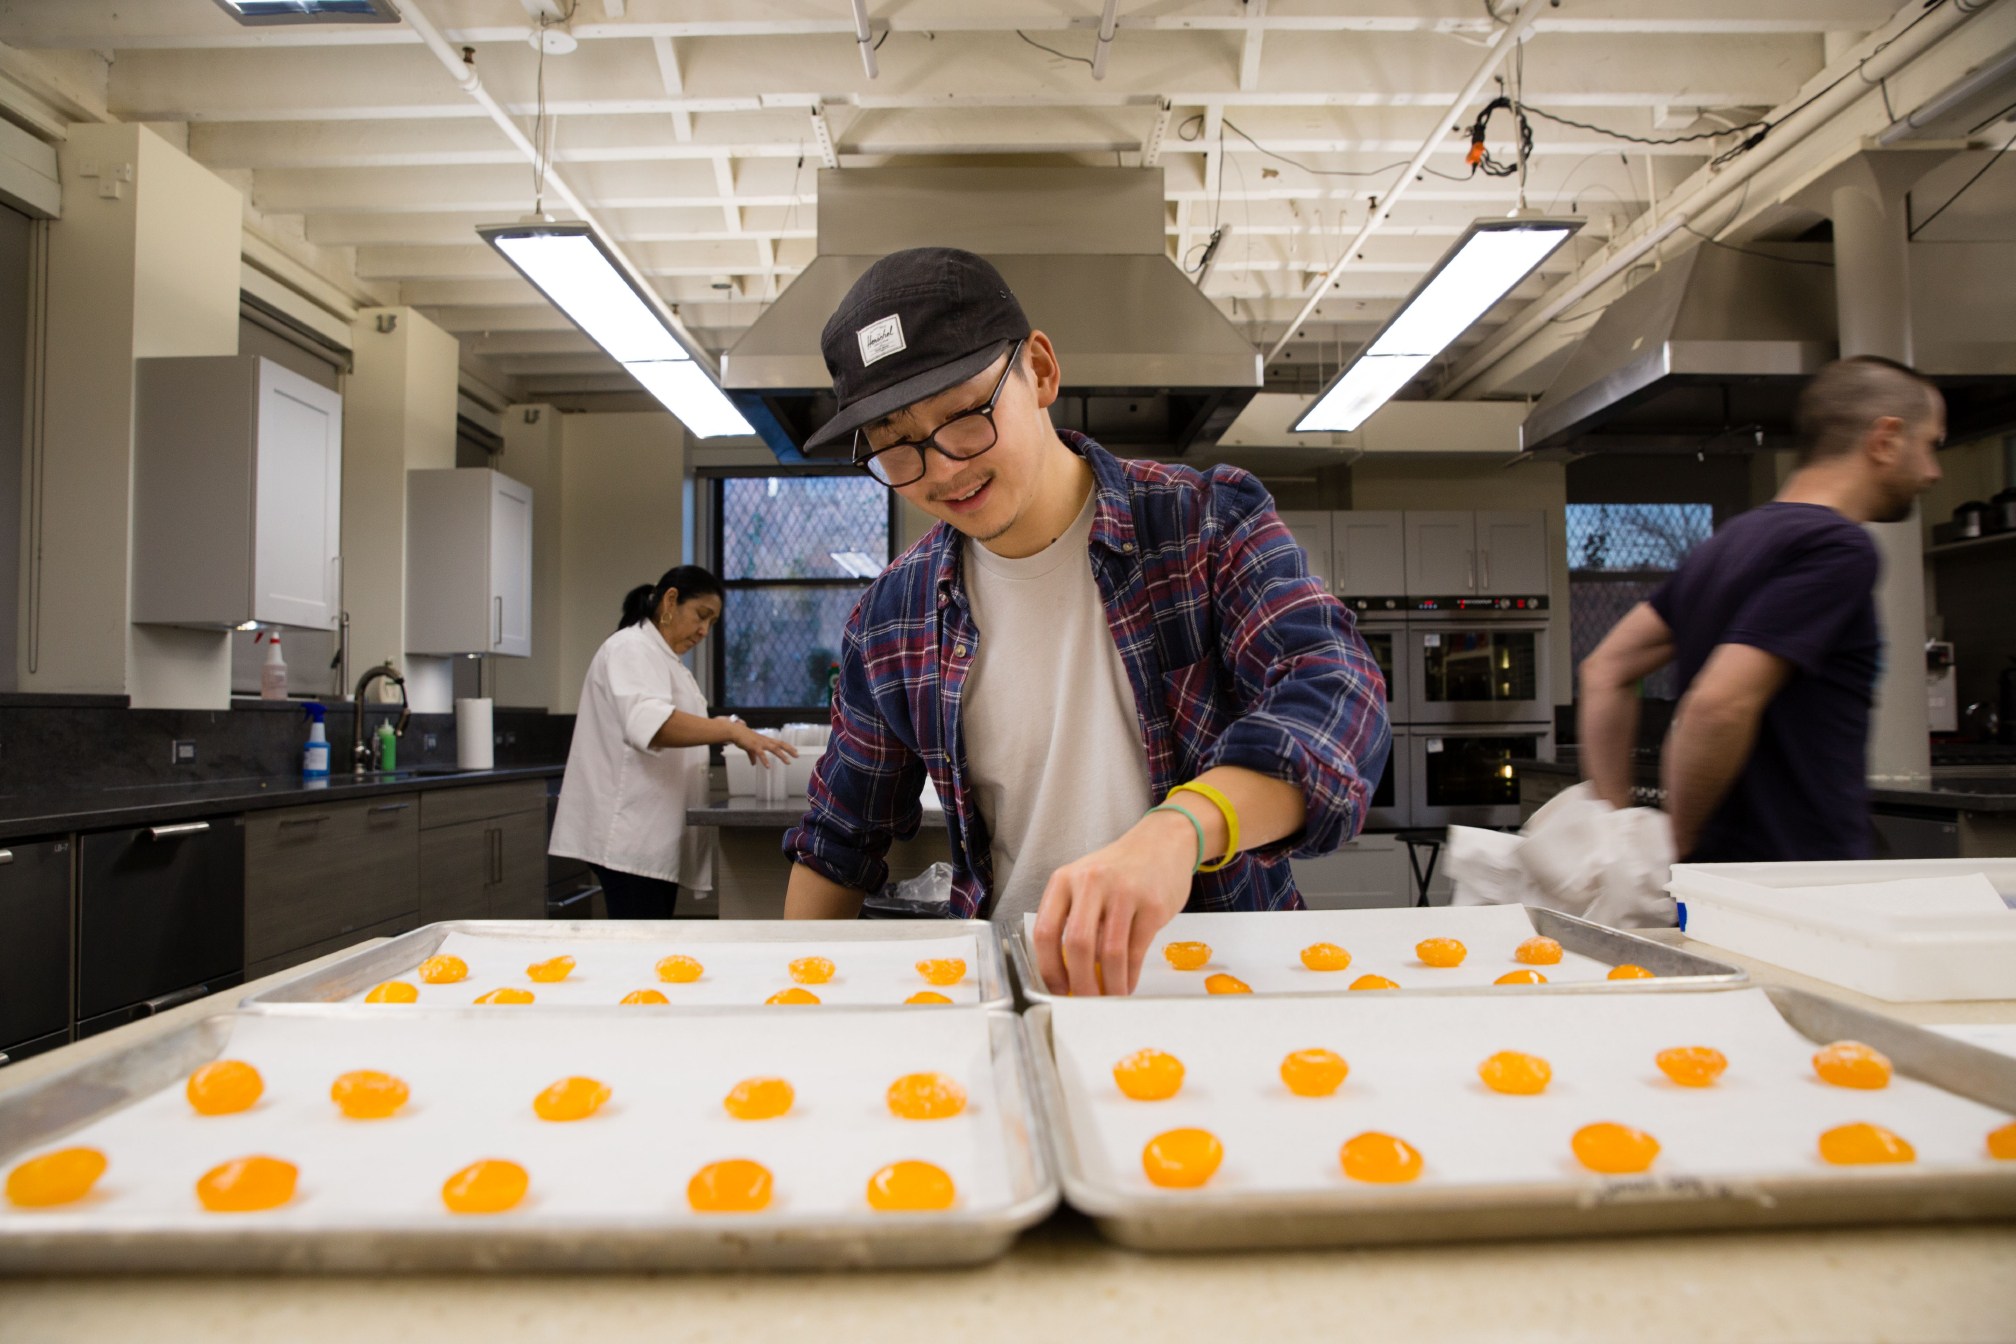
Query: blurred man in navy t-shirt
x=1773 y=626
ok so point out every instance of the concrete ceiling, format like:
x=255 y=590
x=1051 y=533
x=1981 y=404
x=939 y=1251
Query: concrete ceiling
x=690 y=128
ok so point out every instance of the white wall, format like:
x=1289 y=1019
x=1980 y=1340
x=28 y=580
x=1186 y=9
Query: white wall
x=532 y=454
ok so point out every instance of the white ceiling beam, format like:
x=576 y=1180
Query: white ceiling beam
x=1249 y=51
x=724 y=186
x=675 y=84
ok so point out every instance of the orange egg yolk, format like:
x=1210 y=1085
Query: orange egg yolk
x=1325 y=957
x=1222 y=983
x=1852 y=1064
x=927 y=996
x=910 y=1187
x=1627 y=971
x=1443 y=952
x=1864 y=1145
x=679 y=970
x=444 y=970
x=759 y=1099
x=1182 y=1159
x=812 y=970
x=506 y=995
x=1187 y=956
x=1513 y=1072
x=2002 y=1142
x=366 y=1094
x=926 y=1096
x=224 y=1087
x=1521 y=978
x=1379 y=1159
x=793 y=995
x=571 y=1099
x=393 y=991
x=1374 y=982
x=489 y=1186
x=1692 y=1065
x=941 y=970
x=62 y=1177
x=247 y=1184
x=551 y=970
x=1538 y=951
x=1314 y=1073
x=1149 y=1075
x=734 y=1186
x=644 y=996
x=1614 y=1150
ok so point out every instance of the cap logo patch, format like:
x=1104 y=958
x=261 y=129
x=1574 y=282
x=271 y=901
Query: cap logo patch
x=881 y=339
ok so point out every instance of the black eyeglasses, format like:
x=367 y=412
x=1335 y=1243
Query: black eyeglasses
x=963 y=437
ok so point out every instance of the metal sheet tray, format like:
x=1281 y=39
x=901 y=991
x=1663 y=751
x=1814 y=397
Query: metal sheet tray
x=1223 y=1220
x=34 y=1116
x=1672 y=967
x=328 y=987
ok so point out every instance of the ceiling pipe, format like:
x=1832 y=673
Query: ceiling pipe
x=1877 y=56
x=463 y=70
x=863 y=38
x=1508 y=39
x=1109 y=21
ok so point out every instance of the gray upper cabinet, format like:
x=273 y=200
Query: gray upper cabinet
x=1312 y=529
x=1369 y=553
x=468 y=562
x=1441 y=553
x=1500 y=553
x=1512 y=553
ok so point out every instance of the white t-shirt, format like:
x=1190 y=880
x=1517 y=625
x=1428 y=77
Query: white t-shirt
x=1053 y=743
x=622 y=804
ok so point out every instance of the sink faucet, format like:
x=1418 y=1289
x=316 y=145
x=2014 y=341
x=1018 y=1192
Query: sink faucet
x=358 y=754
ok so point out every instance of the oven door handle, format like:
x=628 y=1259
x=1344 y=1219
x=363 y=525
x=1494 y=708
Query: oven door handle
x=1470 y=570
x=1484 y=567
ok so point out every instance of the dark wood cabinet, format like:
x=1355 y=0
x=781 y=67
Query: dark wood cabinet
x=160 y=918
x=34 y=947
x=318 y=874
x=483 y=852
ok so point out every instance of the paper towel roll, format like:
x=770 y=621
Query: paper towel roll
x=473 y=743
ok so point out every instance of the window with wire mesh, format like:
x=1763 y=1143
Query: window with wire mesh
x=1618 y=555
x=794 y=554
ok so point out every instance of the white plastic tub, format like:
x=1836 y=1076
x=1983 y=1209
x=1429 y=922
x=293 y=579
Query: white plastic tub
x=1907 y=930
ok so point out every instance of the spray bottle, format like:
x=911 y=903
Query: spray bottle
x=315 y=759
x=273 y=672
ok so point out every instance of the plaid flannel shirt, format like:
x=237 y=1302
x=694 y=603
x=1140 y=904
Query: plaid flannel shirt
x=1235 y=654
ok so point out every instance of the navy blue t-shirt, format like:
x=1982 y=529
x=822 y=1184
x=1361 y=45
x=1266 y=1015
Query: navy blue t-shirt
x=1795 y=580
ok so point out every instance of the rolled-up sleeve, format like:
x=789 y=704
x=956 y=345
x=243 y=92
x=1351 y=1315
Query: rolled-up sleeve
x=1310 y=703
x=641 y=693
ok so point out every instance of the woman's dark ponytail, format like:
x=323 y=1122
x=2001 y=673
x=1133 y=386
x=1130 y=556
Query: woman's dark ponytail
x=637 y=606
x=640 y=604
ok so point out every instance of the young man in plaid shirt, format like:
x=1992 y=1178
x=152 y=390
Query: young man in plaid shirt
x=1130 y=694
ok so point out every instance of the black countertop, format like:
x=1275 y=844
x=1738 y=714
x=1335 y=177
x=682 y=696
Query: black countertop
x=52 y=812
x=1973 y=792
x=749 y=812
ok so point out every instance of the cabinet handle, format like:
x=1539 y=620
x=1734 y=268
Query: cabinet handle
x=304 y=821
x=1470 y=570
x=178 y=830
x=6 y=856
x=1484 y=566
x=174 y=1000
x=497 y=857
x=500 y=623
x=389 y=807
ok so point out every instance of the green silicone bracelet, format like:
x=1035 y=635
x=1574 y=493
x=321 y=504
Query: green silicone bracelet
x=1195 y=825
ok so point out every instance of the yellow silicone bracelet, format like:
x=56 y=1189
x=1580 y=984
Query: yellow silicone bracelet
x=1224 y=806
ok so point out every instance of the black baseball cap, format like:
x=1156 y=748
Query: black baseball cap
x=915 y=323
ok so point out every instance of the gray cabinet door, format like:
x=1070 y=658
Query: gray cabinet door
x=1312 y=532
x=458 y=866
x=317 y=873
x=520 y=892
x=1512 y=553
x=1369 y=553
x=1441 y=553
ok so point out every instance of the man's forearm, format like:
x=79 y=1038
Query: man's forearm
x=812 y=895
x=1268 y=809
x=1607 y=727
x=1705 y=751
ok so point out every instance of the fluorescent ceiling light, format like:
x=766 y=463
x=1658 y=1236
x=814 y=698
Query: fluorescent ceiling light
x=258 y=13
x=575 y=270
x=1491 y=257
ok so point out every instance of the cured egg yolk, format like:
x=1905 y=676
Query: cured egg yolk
x=506 y=995
x=1627 y=971
x=393 y=991
x=679 y=970
x=1222 y=983
x=1515 y=1073
x=1325 y=957
x=571 y=1099
x=927 y=996
x=1314 y=1073
x=1538 y=951
x=1187 y=956
x=489 y=1186
x=551 y=970
x=62 y=1177
x=444 y=970
x=247 y=1184
x=812 y=970
x=1613 y=1149
x=910 y=1187
x=1374 y=982
x=734 y=1186
x=644 y=996
x=1182 y=1159
x=793 y=995
x=1379 y=1159
x=1443 y=952
x=1521 y=978
x=224 y=1087
x=2002 y=1142
x=1852 y=1064
x=926 y=1096
x=759 y=1099
x=1692 y=1065
x=1149 y=1075
x=940 y=970
x=1864 y=1145
x=366 y=1094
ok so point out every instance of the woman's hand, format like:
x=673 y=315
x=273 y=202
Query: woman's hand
x=1099 y=915
x=761 y=750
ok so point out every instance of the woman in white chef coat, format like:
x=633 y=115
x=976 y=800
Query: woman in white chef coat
x=639 y=757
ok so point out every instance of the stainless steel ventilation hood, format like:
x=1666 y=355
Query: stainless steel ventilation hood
x=1708 y=354
x=1150 y=365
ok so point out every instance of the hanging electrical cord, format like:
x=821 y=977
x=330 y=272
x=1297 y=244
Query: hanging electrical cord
x=1479 y=156
x=541 y=134
x=1082 y=60
x=1184 y=131
x=1993 y=159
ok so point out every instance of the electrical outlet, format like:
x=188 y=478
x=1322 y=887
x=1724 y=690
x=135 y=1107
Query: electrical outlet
x=183 y=753
x=427 y=741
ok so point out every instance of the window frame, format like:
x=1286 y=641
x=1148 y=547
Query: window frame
x=1651 y=578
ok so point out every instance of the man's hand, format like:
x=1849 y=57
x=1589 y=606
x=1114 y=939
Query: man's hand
x=1099 y=914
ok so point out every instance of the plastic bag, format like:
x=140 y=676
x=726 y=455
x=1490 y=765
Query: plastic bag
x=925 y=896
